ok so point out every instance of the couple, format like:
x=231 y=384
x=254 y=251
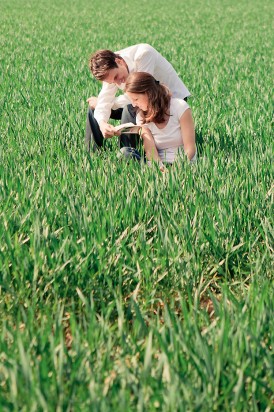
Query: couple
x=154 y=99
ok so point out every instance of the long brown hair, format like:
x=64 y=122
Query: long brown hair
x=158 y=95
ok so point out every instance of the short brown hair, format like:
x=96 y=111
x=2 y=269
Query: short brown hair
x=158 y=95
x=101 y=62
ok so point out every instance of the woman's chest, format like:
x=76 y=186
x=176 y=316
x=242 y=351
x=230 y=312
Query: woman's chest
x=169 y=136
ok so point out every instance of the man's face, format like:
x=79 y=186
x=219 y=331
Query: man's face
x=118 y=75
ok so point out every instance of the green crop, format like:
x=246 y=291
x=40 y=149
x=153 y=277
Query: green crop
x=122 y=288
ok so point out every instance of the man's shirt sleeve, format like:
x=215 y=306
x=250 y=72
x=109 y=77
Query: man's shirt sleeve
x=106 y=100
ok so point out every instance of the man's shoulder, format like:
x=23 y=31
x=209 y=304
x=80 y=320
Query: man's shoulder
x=145 y=48
x=137 y=48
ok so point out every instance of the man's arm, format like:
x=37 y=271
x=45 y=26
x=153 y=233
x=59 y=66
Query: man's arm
x=105 y=102
x=119 y=101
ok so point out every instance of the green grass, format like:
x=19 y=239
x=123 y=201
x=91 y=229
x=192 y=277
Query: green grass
x=123 y=289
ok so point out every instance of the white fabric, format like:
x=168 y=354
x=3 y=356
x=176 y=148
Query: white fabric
x=139 y=58
x=168 y=140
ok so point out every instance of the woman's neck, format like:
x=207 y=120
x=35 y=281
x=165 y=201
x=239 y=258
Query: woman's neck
x=163 y=124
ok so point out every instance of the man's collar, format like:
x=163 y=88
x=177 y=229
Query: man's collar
x=129 y=64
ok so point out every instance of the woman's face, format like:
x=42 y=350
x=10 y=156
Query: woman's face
x=139 y=100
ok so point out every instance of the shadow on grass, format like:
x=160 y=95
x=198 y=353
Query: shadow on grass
x=218 y=140
x=199 y=141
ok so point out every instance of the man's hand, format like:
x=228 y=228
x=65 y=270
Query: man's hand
x=107 y=130
x=92 y=101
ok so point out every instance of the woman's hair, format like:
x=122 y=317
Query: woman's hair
x=101 y=62
x=158 y=95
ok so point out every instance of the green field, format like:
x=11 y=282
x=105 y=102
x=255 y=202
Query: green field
x=123 y=289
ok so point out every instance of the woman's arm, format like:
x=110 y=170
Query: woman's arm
x=150 y=148
x=188 y=133
x=149 y=145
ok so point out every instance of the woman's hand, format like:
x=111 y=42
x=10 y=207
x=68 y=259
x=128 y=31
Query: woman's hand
x=162 y=167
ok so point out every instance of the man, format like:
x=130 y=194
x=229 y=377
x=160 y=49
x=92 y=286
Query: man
x=113 y=69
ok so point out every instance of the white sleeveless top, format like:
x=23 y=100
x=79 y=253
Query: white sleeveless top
x=168 y=140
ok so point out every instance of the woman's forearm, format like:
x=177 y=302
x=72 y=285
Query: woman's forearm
x=149 y=146
x=190 y=150
x=188 y=134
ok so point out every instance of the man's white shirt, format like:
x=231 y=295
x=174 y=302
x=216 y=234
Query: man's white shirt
x=139 y=58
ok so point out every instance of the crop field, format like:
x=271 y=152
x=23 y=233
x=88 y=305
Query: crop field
x=122 y=288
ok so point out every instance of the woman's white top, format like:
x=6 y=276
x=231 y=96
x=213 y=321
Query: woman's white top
x=168 y=140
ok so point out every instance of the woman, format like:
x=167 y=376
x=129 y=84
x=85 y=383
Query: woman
x=167 y=124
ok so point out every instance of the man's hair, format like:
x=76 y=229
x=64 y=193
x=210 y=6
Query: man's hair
x=158 y=95
x=101 y=62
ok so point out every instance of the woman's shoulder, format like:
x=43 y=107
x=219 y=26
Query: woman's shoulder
x=176 y=101
x=178 y=105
